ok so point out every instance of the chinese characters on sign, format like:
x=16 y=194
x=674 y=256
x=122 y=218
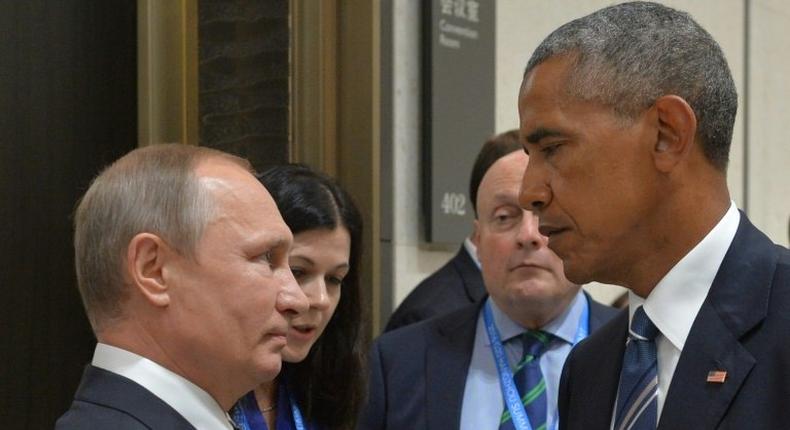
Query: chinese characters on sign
x=465 y=15
x=467 y=9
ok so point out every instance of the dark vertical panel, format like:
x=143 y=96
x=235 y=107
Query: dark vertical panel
x=387 y=176
x=68 y=78
x=243 y=78
x=459 y=47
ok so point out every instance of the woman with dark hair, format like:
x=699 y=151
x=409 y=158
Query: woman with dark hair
x=321 y=384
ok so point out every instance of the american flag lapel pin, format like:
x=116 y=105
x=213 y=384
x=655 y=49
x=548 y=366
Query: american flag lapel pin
x=717 y=376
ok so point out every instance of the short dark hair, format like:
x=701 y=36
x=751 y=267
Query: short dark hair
x=493 y=149
x=628 y=55
x=329 y=382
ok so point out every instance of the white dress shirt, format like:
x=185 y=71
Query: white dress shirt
x=676 y=300
x=483 y=404
x=471 y=249
x=189 y=400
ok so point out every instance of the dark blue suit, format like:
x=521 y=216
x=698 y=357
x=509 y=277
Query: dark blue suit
x=105 y=400
x=742 y=328
x=455 y=285
x=418 y=373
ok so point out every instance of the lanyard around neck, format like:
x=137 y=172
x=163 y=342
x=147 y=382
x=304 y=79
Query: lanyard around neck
x=297 y=414
x=509 y=391
x=255 y=419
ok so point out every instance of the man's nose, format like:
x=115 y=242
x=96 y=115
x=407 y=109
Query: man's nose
x=291 y=300
x=528 y=234
x=534 y=195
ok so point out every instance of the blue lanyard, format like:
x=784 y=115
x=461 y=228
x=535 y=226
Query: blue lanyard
x=509 y=391
x=247 y=416
x=297 y=414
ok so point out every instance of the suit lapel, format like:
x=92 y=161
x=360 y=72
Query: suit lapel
x=102 y=387
x=692 y=402
x=446 y=367
x=737 y=302
x=597 y=383
x=470 y=274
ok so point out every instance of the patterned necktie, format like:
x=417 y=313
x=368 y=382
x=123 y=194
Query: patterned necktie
x=637 y=404
x=529 y=381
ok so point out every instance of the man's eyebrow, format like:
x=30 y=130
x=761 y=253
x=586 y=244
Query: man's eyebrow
x=268 y=241
x=502 y=197
x=542 y=133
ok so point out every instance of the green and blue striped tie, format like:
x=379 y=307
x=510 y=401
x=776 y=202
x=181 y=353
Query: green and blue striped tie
x=529 y=381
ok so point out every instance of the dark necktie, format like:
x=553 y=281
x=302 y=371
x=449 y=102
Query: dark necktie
x=529 y=381
x=637 y=401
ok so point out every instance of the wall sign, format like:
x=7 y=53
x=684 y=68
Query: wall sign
x=458 y=109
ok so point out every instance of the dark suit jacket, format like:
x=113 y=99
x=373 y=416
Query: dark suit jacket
x=418 y=373
x=742 y=328
x=105 y=400
x=455 y=285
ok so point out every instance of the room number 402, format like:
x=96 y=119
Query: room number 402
x=454 y=204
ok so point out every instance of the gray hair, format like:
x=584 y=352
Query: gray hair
x=152 y=189
x=628 y=55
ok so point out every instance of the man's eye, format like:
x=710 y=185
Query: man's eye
x=266 y=257
x=550 y=150
x=504 y=214
x=298 y=272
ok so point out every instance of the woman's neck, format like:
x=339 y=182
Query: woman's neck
x=266 y=395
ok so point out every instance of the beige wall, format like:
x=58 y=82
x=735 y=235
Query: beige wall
x=522 y=24
x=768 y=115
x=413 y=261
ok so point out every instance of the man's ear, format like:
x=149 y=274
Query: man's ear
x=145 y=258
x=677 y=130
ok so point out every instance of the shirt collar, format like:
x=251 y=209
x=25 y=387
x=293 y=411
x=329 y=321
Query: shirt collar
x=676 y=300
x=189 y=400
x=471 y=249
x=564 y=326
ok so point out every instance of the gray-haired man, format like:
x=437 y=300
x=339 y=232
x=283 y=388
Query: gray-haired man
x=181 y=259
x=627 y=115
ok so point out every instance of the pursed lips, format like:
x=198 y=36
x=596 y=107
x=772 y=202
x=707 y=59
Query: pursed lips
x=278 y=332
x=527 y=265
x=278 y=335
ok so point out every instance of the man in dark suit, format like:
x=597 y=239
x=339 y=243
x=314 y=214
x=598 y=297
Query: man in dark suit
x=459 y=282
x=627 y=115
x=442 y=373
x=455 y=285
x=181 y=260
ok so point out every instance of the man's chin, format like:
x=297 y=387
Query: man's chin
x=269 y=367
